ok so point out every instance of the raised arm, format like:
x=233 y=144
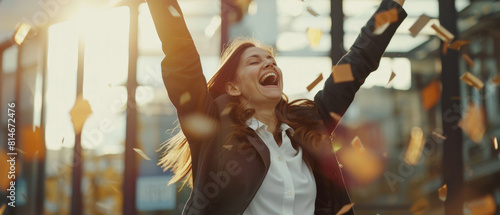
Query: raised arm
x=181 y=68
x=364 y=57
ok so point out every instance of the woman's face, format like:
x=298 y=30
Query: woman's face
x=258 y=79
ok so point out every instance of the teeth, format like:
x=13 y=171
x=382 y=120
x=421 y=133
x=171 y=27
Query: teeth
x=267 y=75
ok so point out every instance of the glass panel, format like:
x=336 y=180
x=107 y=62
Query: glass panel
x=60 y=95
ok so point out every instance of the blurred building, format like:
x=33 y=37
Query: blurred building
x=108 y=54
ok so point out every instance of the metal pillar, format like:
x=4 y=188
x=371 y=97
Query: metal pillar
x=453 y=174
x=76 y=197
x=337 y=31
x=131 y=170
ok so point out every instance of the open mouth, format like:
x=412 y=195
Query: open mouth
x=269 y=79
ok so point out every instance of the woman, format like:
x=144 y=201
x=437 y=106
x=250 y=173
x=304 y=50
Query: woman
x=261 y=154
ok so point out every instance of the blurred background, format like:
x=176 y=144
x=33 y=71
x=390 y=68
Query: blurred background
x=91 y=109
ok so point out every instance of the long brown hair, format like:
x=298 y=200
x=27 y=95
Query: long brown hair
x=176 y=154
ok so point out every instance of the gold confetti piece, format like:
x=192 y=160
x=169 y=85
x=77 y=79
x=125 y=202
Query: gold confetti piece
x=443 y=33
x=19 y=150
x=420 y=206
x=81 y=110
x=496 y=80
x=473 y=123
x=445 y=47
x=36 y=143
x=314 y=36
x=342 y=73
x=442 y=193
x=495 y=143
x=458 y=44
x=363 y=166
x=228 y=147
x=439 y=135
x=415 y=147
x=393 y=75
x=226 y=111
x=431 y=94
x=336 y=116
x=62 y=141
x=472 y=80
x=311 y=11
x=198 y=125
x=185 y=98
x=173 y=11
x=2 y=209
x=482 y=206
x=381 y=29
x=345 y=209
x=24 y=197
x=357 y=144
x=21 y=33
x=468 y=60
x=419 y=25
x=315 y=82
x=388 y=16
x=142 y=154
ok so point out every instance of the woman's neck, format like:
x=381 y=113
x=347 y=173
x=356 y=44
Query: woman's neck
x=268 y=117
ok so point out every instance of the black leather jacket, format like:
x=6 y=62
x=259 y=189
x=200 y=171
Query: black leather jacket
x=228 y=172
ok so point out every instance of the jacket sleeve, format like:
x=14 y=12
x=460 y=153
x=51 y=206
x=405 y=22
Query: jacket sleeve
x=181 y=68
x=364 y=57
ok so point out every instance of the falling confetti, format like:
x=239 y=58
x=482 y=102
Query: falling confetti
x=473 y=123
x=342 y=73
x=472 y=80
x=345 y=209
x=363 y=166
x=174 y=11
x=495 y=143
x=442 y=193
x=315 y=82
x=62 y=141
x=431 y=94
x=314 y=36
x=420 y=206
x=440 y=136
x=20 y=151
x=311 y=11
x=483 y=205
x=185 y=98
x=2 y=209
x=381 y=29
x=445 y=47
x=21 y=33
x=142 y=154
x=388 y=16
x=458 y=44
x=226 y=111
x=468 y=60
x=228 y=147
x=24 y=197
x=335 y=116
x=79 y=113
x=36 y=143
x=357 y=144
x=393 y=75
x=443 y=33
x=198 y=125
x=419 y=25
x=496 y=80
x=415 y=147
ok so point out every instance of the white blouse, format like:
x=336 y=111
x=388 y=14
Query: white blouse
x=289 y=187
